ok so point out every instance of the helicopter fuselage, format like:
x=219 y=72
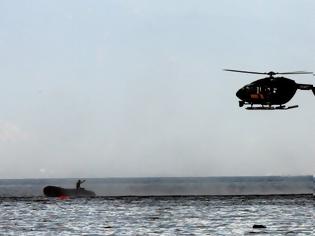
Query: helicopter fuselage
x=271 y=93
x=268 y=91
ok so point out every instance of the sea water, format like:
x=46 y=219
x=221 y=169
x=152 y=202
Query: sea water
x=182 y=186
x=155 y=210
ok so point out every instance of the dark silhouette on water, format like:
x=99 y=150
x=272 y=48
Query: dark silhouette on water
x=259 y=226
x=54 y=191
x=79 y=182
x=270 y=93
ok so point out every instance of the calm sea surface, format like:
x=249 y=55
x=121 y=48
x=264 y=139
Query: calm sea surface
x=25 y=211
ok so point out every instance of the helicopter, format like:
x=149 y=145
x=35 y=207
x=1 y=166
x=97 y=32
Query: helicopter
x=270 y=93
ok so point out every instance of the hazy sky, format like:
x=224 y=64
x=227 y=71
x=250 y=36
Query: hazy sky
x=136 y=88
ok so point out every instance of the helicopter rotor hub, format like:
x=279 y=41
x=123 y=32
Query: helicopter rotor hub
x=271 y=73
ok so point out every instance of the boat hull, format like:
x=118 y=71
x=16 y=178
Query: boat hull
x=54 y=191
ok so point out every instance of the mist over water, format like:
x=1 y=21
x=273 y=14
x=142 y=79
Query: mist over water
x=272 y=185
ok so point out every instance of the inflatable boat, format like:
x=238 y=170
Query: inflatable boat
x=54 y=191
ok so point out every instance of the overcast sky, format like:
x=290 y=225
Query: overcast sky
x=135 y=88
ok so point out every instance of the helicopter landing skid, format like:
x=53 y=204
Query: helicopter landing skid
x=272 y=108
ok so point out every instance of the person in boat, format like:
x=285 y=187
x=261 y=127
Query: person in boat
x=79 y=182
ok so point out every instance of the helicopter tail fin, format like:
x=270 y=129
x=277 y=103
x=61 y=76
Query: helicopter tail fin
x=313 y=90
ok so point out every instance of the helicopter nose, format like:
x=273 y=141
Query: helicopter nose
x=241 y=94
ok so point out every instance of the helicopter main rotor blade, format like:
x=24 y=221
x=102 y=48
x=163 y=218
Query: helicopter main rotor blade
x=295 y=73
x=248 y=72
x=271 y=73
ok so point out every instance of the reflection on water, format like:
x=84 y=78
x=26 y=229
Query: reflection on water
x=283 y=215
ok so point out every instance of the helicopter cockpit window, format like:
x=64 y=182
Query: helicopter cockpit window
x=258 y=88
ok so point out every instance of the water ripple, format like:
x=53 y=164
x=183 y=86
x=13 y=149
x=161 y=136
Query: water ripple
x=283 y=215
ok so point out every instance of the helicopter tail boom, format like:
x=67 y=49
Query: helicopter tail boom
x=307 y=87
